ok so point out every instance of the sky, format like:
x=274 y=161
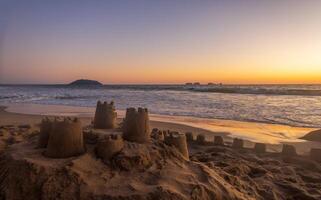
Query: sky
x=165 y=41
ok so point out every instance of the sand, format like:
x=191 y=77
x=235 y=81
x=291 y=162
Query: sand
x=274 y=135
x=156 y=171
x=313 y=136
x=149 y=171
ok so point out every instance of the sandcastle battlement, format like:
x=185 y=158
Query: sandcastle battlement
x=65 y=138
x=45 y=129
x=218 y=140
x=159 y=135
x=179 y=141
x=189 y=136
x=238 y=143
x=315 y=154
x=105 y=115
x=200 y=139
x=108 y=146
x=260 y=148
x=288 y=150
x=136 y=125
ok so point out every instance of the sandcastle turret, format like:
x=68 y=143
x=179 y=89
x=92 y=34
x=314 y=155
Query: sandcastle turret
x=288 y=150
x=105 y=115
x=155 y=130
x=189 y=136
x=200 y=139
x=158 y=135
x=315 y=154
x=238 y=143
x=179 y=141
x=136 y=125
x=218 y=140
x=260 y=148
x=45 y=129
x=108 y=146
x=66 y=139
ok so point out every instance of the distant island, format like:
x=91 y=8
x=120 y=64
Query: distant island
x=85 y=83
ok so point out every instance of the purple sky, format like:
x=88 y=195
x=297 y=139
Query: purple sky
x=164 y=41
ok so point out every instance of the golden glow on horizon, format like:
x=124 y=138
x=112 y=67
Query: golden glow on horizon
x=239 y=44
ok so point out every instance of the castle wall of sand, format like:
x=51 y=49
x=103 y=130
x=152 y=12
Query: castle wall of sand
x=105 y=115
x=259 y=148
x=136 y=125
x=65 y=138
x=179 y=141
x=108 y=146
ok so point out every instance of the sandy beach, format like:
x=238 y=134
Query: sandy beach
x=274 y=135
x=160 y=100
x=152 y=170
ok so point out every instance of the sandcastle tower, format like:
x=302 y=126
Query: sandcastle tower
x=159 y=135
x=90 y=137
x=218 y=140
x=238 y=143
x=155 y=130
x=315 y=154
x=189 y=136
x=200 y=139
x=105 y=115
x=260 y=148
x=179 y=141
x=136 y=125
x=288 y=150
x=108 y=146
x=66 y=139
x=45 y=129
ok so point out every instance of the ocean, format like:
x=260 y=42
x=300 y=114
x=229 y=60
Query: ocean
x=294 y=105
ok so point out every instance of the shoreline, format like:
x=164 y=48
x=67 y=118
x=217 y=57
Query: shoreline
x=272 y=134
x=87 y=111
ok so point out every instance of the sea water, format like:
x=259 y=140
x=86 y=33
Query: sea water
x=294 y=105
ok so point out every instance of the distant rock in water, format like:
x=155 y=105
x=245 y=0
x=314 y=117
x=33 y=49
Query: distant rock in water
x=85 y=83
x=313 y=136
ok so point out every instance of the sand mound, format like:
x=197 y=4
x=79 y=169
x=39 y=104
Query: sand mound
x=139 y=171
x=152 y=170
x=313 y=136
x=10 y=134
x=264 y=176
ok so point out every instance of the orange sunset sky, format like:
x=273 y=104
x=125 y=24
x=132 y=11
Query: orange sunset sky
x=115 y=42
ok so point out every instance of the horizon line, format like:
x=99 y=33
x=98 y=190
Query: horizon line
x=201 y=84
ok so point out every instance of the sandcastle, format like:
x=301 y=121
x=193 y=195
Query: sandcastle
x=179 y=141
x=136 y=125
x=65 y=139
x=260 y=148
x=189 y=136
x=90 y=137
x=45 y=129
x=108 y=146
x=159 y=135
x=155 y=130
x=315 y=154
x=288 y=150
x=105 y=115
x=218 y=140
x=200 y=139
x=238 y=143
